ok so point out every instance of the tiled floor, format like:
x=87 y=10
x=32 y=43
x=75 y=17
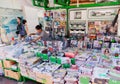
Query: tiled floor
x=8 y=81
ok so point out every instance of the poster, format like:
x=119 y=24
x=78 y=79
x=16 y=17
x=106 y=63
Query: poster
x=102 y=27
x=8 y=19
x=102 y=13
x=78 y=14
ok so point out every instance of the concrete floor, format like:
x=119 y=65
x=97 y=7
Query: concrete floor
x=9 y=81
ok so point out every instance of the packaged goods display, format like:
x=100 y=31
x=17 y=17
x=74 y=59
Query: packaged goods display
x=55 y=23
x=69 y=66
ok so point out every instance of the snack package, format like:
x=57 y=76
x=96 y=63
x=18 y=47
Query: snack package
x=97 y=44
x=74 y=43
x=100 y=73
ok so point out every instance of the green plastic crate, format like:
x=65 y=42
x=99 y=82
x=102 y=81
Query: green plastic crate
x=53 y=59
x=38 y=54
x=45 y=57
x=66 y=66
x=73 y=61
x=59 y=61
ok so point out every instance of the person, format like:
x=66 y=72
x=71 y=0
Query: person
x=21 y=32
x=25 y=26
x=42 y=35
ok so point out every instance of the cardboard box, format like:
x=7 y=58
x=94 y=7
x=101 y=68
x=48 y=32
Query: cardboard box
x=44 y=78
x=31 y=74
x=12 y=74
x=8 y=64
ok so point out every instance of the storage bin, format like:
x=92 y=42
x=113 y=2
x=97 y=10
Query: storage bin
x=53 y=59
x=8 y=64
x=12 y=74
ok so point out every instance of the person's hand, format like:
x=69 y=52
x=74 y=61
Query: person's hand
x=34 y=41
x=30 y=35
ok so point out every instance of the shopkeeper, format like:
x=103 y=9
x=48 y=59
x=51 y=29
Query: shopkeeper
x=42 y=35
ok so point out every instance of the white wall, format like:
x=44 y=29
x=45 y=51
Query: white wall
x=31 y=17
x=31 y=14
x=14 y=4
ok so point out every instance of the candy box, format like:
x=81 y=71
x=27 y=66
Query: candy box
x=70 y=55
x=71 y=82
x=58 y=76
x=61 y=82
x=86 y=70
x=74 y=43
x=106 y=45
x=115 y=73
x=44 y=78
x=115 y=48
x=100 y=73
x=100 y=81
x=72 y=76
x=93 y=60
x=97 y=44
x=107 y=63
x=116 y=61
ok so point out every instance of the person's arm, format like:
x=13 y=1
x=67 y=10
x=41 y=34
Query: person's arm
x=36 y=39
x=26 y=29
x=32 y=34
x=41 y=35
